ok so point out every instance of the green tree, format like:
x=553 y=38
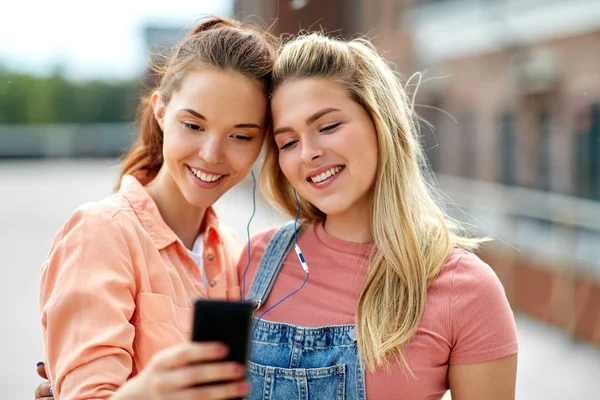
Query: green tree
x=27 y=99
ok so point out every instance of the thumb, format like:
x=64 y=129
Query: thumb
x=41 y=370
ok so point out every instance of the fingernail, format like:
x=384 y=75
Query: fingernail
x=40 y=363
x=50 y=390
x=223 y=349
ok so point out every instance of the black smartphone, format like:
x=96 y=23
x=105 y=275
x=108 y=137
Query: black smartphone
x=228 y=322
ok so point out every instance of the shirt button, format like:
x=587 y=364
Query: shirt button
x=212 y=283
x=210 y=256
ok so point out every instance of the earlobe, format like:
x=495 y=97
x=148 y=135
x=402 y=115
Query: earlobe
x=158 y=107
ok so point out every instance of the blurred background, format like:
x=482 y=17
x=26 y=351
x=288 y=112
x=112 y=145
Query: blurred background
x=511 y=89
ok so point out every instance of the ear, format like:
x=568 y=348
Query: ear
x=158 y=107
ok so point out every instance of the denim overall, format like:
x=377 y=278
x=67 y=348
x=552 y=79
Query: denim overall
x=294 y=362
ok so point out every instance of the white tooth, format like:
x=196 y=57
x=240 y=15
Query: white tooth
x=326 y=175
x=203 y=176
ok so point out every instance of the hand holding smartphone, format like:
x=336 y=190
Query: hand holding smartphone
x=227 y=322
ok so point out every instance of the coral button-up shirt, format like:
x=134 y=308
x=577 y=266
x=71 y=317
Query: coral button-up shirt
x=118 y=286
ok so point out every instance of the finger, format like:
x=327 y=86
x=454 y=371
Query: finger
x=201 y=374
x=44 y=398
x=216 y=392
x=41 y=370
x=43 y=390
x=189 y=353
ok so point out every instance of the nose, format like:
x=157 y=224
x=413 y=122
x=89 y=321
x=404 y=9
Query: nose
x=212 y=149
x=310 y=150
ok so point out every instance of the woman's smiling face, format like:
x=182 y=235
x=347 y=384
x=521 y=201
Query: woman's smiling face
x=327 y=144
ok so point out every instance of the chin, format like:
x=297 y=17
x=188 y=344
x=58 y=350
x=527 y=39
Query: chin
x=202 y=201
x=330 y=208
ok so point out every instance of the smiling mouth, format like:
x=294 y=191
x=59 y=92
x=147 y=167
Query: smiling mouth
x=323 y=176
x=209 y=178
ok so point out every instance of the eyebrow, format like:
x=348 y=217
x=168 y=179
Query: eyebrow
x=194 y=113
x=308 y=120
x=202 y=117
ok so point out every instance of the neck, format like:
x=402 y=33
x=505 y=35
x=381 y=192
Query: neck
x=182 y=217
x=352 y=226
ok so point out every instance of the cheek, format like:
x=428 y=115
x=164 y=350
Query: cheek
x=286 y=164
x=243 y=158
x=174 y=145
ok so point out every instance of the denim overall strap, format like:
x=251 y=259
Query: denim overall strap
x=271 y=262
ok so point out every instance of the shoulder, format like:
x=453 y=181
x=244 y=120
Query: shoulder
x=466 y=290
x=481 y=321
x=472 y=278
x=108 y=208
x=105 y=217
x=97 y=236
x=252 y=252
x=257 y=244
x=260 y=240
x=465 y=271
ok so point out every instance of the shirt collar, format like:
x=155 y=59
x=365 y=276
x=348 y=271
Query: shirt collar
x=147 y=212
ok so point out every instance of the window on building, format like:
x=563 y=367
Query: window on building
x=544 y=150
x=468 y=145
x=508 y=150
x=587 y=155
x=594 y=141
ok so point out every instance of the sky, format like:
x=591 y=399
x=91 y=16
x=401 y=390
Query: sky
x=89 y=40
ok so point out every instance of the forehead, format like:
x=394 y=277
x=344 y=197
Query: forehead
x=216 y=91
x=301 y=96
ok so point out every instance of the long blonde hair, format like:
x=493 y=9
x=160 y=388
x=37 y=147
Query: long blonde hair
x=412 y=237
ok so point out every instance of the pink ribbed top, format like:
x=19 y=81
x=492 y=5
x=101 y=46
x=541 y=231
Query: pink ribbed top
x=467 y=317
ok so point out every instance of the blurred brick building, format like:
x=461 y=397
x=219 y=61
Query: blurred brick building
x=380 y=20
x=518 y=140
x=524 y=86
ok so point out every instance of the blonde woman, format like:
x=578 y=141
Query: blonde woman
x=396 y=305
